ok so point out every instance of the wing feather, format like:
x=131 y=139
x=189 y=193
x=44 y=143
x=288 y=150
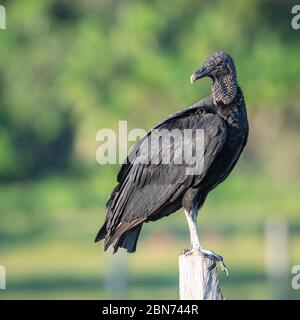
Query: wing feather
x=145 y=190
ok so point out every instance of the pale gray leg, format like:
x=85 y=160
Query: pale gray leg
x=195 y=241
x=194 y=232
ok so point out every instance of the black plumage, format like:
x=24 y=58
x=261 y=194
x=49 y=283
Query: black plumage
x=149 y=191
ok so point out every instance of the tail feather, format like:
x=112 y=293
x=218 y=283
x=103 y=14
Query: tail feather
x=102 y=233
x=119 y=231
x=120 y=234
x=128 y=239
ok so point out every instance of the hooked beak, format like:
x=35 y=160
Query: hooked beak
x=203 y=72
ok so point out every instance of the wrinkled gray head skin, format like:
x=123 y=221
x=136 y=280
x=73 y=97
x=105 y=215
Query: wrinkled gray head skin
x=221 y=69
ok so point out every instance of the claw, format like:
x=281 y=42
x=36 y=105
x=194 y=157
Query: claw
x=212 y=255
x=188 y=252
x=208 y=254
x=224 y=268
x=183 y=251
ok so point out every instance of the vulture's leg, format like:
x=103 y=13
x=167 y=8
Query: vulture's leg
x=194 y=231
x=195 y=241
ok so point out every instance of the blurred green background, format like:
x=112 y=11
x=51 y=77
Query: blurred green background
x=70 y=68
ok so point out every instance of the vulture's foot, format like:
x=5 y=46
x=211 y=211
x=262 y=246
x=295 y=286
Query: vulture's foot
x=208 y=254
x=217 y=258
x=190 y=251
x=185 y=252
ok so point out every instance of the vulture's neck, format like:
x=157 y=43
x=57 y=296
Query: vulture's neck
x=224 y=89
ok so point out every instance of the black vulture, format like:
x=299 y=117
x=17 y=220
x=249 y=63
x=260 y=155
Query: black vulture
x=149 y=191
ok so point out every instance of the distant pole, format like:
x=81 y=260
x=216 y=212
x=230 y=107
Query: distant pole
x=198 y=278
x=117 y=276
x=2 y=278
x=2 y=17
x=276 y=254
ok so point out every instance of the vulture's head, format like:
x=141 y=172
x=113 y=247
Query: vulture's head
x=221 y=69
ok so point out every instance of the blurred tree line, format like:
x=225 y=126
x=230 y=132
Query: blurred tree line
x=70 y=68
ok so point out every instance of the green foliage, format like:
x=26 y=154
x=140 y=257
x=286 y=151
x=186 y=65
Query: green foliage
x=47 y=230
x=69 y=68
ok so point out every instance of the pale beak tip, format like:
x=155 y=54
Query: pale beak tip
x=192 y=79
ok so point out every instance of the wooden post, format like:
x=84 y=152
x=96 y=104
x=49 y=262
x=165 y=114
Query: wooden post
x=276 y=255
x=198 y=278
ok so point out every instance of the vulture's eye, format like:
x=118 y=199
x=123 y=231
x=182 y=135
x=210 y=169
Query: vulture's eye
x=221 y=67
